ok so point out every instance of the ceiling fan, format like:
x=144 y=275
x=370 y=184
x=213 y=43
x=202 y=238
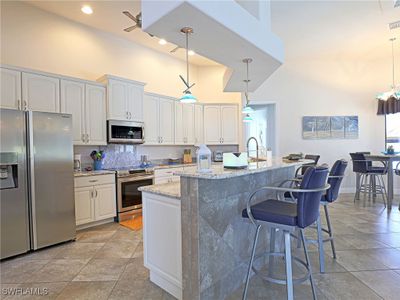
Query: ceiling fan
x=137 y=19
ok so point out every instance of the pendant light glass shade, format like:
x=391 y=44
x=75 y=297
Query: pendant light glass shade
x=188 y=98
x=247 y=119
x=247 y=110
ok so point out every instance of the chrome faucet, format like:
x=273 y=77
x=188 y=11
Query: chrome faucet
x=248 y=142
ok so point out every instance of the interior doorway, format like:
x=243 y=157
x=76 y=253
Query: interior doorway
x=263 y=128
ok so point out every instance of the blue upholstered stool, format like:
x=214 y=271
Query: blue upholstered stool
x=371 y=177
x=288 y=217
x=335 y=179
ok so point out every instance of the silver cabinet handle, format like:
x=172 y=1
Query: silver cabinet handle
x=222 y=140
x=96 y=193
x=87 y=138
x=83 y=138
x=130 y=115
x=25 y=105
x=162 y=140
x=91 y=194
x=19 y=104
x=93 y=180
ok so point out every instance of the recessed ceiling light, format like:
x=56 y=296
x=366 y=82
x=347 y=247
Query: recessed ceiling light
x=191 y=52
x=162 y=42
x=86 y=9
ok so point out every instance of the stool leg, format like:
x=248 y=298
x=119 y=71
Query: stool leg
x=253 y=252
x=328 y=221
x=373 y=177
x=298 y=239
x=320 y=246
x=381 y=182
x=358 y=185
x=308 y=264
x=271 y=249
x=288 y=263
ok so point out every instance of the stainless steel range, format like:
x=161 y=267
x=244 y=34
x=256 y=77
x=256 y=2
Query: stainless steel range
x=129 y=199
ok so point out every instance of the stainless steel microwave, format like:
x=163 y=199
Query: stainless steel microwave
x=125 y=132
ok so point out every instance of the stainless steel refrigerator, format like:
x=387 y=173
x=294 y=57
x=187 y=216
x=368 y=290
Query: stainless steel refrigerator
x=36 y=180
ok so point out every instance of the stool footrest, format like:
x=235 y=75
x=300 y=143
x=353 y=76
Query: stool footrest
x=269 y=278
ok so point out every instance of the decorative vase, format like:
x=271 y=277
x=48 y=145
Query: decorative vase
x=97 y=165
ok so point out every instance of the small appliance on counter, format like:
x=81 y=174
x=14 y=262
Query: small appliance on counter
x=77 y=163
x=235 y=160
x=218 y=156
x=187 y=156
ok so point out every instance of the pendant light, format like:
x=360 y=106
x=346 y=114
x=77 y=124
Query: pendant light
x=395 y=91
x=187 y=94
x=247 y=109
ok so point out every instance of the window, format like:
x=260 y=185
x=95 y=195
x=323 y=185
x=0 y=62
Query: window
x=393 y=131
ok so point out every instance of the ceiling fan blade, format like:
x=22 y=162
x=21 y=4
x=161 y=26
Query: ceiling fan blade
x=129 y=15
x=175 y=49
x=188 y=88
x=129 y=29
x=184 y=81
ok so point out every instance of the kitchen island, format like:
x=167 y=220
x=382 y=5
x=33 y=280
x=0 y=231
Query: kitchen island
x=196 y=243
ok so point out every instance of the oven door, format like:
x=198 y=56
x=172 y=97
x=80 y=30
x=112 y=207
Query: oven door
x=129 y=197
x=125 y=132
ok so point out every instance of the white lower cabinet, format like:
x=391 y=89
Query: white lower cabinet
x=162 y=241
x=95 y=199
x=166 y=175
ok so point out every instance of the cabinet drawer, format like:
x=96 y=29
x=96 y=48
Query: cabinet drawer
x=94 y=180
x=167 y=172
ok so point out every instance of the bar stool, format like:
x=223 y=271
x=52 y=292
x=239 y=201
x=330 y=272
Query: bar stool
x=335 y=179
x=371 y=177
x=301 y=170
x=288 y=217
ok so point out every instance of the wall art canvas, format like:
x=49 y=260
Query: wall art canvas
x=330 y=127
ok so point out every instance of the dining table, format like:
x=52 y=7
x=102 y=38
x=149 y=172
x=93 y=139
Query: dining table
x=389 y=160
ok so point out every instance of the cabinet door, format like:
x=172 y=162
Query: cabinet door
x=96 y=114
x=84 y=205
x=117 y=100
x=41 y=93
x=198 y=124
x=73 y=102
x=188 y=123
x=212 y=124
x=104 y=203
x=229 y=124
x=10 y=96
x=167 y=121
x=151 y=119
x=179 y=124
x=135 y=102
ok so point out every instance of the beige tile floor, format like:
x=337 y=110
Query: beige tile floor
x=106 y=262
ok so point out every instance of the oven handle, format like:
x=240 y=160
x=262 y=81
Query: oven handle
x=134 y=179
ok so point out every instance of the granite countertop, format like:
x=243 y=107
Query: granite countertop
x=219 y=172
x=172 y=189
x=93 y=173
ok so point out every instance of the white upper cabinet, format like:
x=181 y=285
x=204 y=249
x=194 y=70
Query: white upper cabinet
x=95 y=115
x=221 y=124
x=198 y=124
x=167 y=120
x=159 y=120
x=151 y=119
x=124 y=98
x=135 y=102
x=229 y=124
x=10 y=96
x=40 y=93
x=73 y=102
x=87 y=104
x=117 y=106
x=212 y=124
x=184 y=123
x=179 y=130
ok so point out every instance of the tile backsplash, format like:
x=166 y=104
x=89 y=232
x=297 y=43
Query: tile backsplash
x=117 y=156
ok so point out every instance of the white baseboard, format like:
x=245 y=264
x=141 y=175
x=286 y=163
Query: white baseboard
x=96 y=223
x=166 y=285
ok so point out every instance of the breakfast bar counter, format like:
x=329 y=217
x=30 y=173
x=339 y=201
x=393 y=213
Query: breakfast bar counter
x=197 y=246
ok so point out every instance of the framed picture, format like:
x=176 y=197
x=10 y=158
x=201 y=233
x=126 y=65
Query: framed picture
x=337 y=127
x=351 y=127
x=309 y=127
x=334 y=127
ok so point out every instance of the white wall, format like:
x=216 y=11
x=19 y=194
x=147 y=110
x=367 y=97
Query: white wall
x=326 y=88
x=36 y=39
